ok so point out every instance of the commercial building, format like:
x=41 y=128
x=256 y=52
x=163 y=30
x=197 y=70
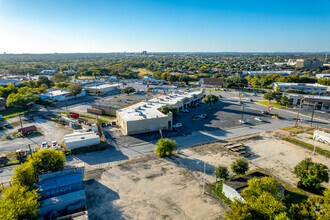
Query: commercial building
x=309 y=64
x=48 y=72
x=102 y=87
x=109 y=106
x=321 y=76
x=266 y=72
x=307 y=87
x=145 y=116
x=211 y=82
x=10 y=81
x=309 y=102
x=60 y=95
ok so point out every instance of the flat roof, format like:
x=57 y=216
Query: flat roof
x=102 y=85
x=300 y=84
x=149 y=109
x=309 y=96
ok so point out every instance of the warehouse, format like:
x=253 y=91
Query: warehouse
x=102 y=88
x=81 y=139
x=60 y=95
x=146 y=117
x=309 y=102
x=307 y=87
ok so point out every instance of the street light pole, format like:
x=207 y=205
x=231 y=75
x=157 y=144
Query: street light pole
x=204 y=177
x=313 y=115
x=242 y=114
x=298 y=113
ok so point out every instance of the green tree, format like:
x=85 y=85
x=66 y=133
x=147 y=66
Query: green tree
x=60 y=77
x=221 y=172
x=261 y=201
x=269 y=96
x=47 y=160
x=165 y=147
x=18 y=202
x=21 y=100
x=128 y=90
x=75 y=89
x=311 y=174
x=167 y=108
x=285 y=101
x=210 y=99
x=239 y=166
x=62 y=85
x=25 y=174
x=44 y=80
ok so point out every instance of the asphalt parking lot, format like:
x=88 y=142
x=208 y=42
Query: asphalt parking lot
x=222 y=115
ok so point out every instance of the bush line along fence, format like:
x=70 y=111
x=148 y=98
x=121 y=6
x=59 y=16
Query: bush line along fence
x=307 y=146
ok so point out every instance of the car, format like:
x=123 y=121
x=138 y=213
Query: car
x=177 y=125
x=258 y=119
x=185 y=110
x=44 y=145
x=220 y=96
x=242 y=121
x=8 y=126
x=55 y=145
x=264 y=112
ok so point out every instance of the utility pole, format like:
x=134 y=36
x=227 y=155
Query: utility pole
x=20 y=120
x=313 y=115
x=242 y=114
x=298 y=113
x=204 y=177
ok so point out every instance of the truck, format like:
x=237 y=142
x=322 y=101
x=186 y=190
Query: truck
x=28 y=130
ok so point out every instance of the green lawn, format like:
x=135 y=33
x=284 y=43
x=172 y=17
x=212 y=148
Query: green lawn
x=12 y=113
x=275 y=104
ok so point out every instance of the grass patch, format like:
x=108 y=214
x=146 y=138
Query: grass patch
x=218 y=192
x=87 y=117
x=109 y=117
x=12 y=113
x=275 y=104
x=307 y=146
x=298 y=129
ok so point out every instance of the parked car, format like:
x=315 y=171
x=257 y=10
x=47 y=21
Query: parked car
x=185 y=110
x=242 y=121
x=264 y=112
x=177 y=125
x=258 y=119
x=220 y=96
x=8 y=126
x=44 y=145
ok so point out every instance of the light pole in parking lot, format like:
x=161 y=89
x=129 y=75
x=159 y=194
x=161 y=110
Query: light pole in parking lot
x=242 y=113
x=204 y=176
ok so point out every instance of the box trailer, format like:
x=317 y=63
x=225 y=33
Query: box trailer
x=27 y=130
x=81 y=141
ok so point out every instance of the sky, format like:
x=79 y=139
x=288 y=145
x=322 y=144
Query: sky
x=69 y=26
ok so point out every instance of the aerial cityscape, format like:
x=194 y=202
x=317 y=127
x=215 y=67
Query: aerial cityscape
x=164 y=109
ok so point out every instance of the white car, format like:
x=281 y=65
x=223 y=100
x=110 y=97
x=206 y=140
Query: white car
x=185 y=110
x=44 y=145
x=258 y=119
x=242 y=121
x=177 y=125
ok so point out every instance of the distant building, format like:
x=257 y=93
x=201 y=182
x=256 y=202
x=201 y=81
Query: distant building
x=10 y=81
x=149 y=78
x=144 y=52
x=309 y=64
x=309 y=102
x=307 y=87
x=69 y=72
x=48 y=72
x=321 y=76
x=2 y=103
x=266 y=72
x=291 y=62
x=60 y=95
x=102 y=87
x=232 y=189
x=211 y=82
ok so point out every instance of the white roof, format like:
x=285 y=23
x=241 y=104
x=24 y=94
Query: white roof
x=299 y=84
x=102 y=86
x=149 y=109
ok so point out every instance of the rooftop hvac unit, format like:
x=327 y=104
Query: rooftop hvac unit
x=144 y=105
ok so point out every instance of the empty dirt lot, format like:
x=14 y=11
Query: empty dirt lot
x=149 y=188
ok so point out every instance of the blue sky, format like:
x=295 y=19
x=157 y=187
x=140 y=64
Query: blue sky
x=42 y=26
